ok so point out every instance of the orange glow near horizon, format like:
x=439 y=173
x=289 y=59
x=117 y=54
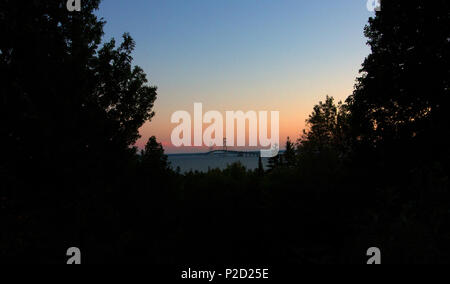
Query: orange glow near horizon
x=293 y=114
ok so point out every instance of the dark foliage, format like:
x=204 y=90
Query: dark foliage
x=69 y=111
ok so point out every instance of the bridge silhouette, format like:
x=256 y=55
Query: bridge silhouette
x=225 y=151
x=237 y=153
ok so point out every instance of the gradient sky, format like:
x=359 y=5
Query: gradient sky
x=283 y=55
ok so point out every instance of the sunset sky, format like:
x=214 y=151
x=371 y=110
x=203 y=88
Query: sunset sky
x=283 y=55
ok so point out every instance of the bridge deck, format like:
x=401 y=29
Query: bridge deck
x=239 y=153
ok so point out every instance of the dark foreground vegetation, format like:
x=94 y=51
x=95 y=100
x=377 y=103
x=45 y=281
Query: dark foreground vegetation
x=372 y=171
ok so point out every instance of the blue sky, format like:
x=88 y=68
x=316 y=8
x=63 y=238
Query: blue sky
x=243 y=54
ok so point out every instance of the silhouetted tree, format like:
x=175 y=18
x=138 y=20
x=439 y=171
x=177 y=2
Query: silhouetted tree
x=153 y=158
x=122 y=91
x=327 y=129
x=69 y=112
x=401 y=101
x=290 y=154
x=399 y=119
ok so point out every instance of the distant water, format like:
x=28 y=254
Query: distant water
x=202 y=162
